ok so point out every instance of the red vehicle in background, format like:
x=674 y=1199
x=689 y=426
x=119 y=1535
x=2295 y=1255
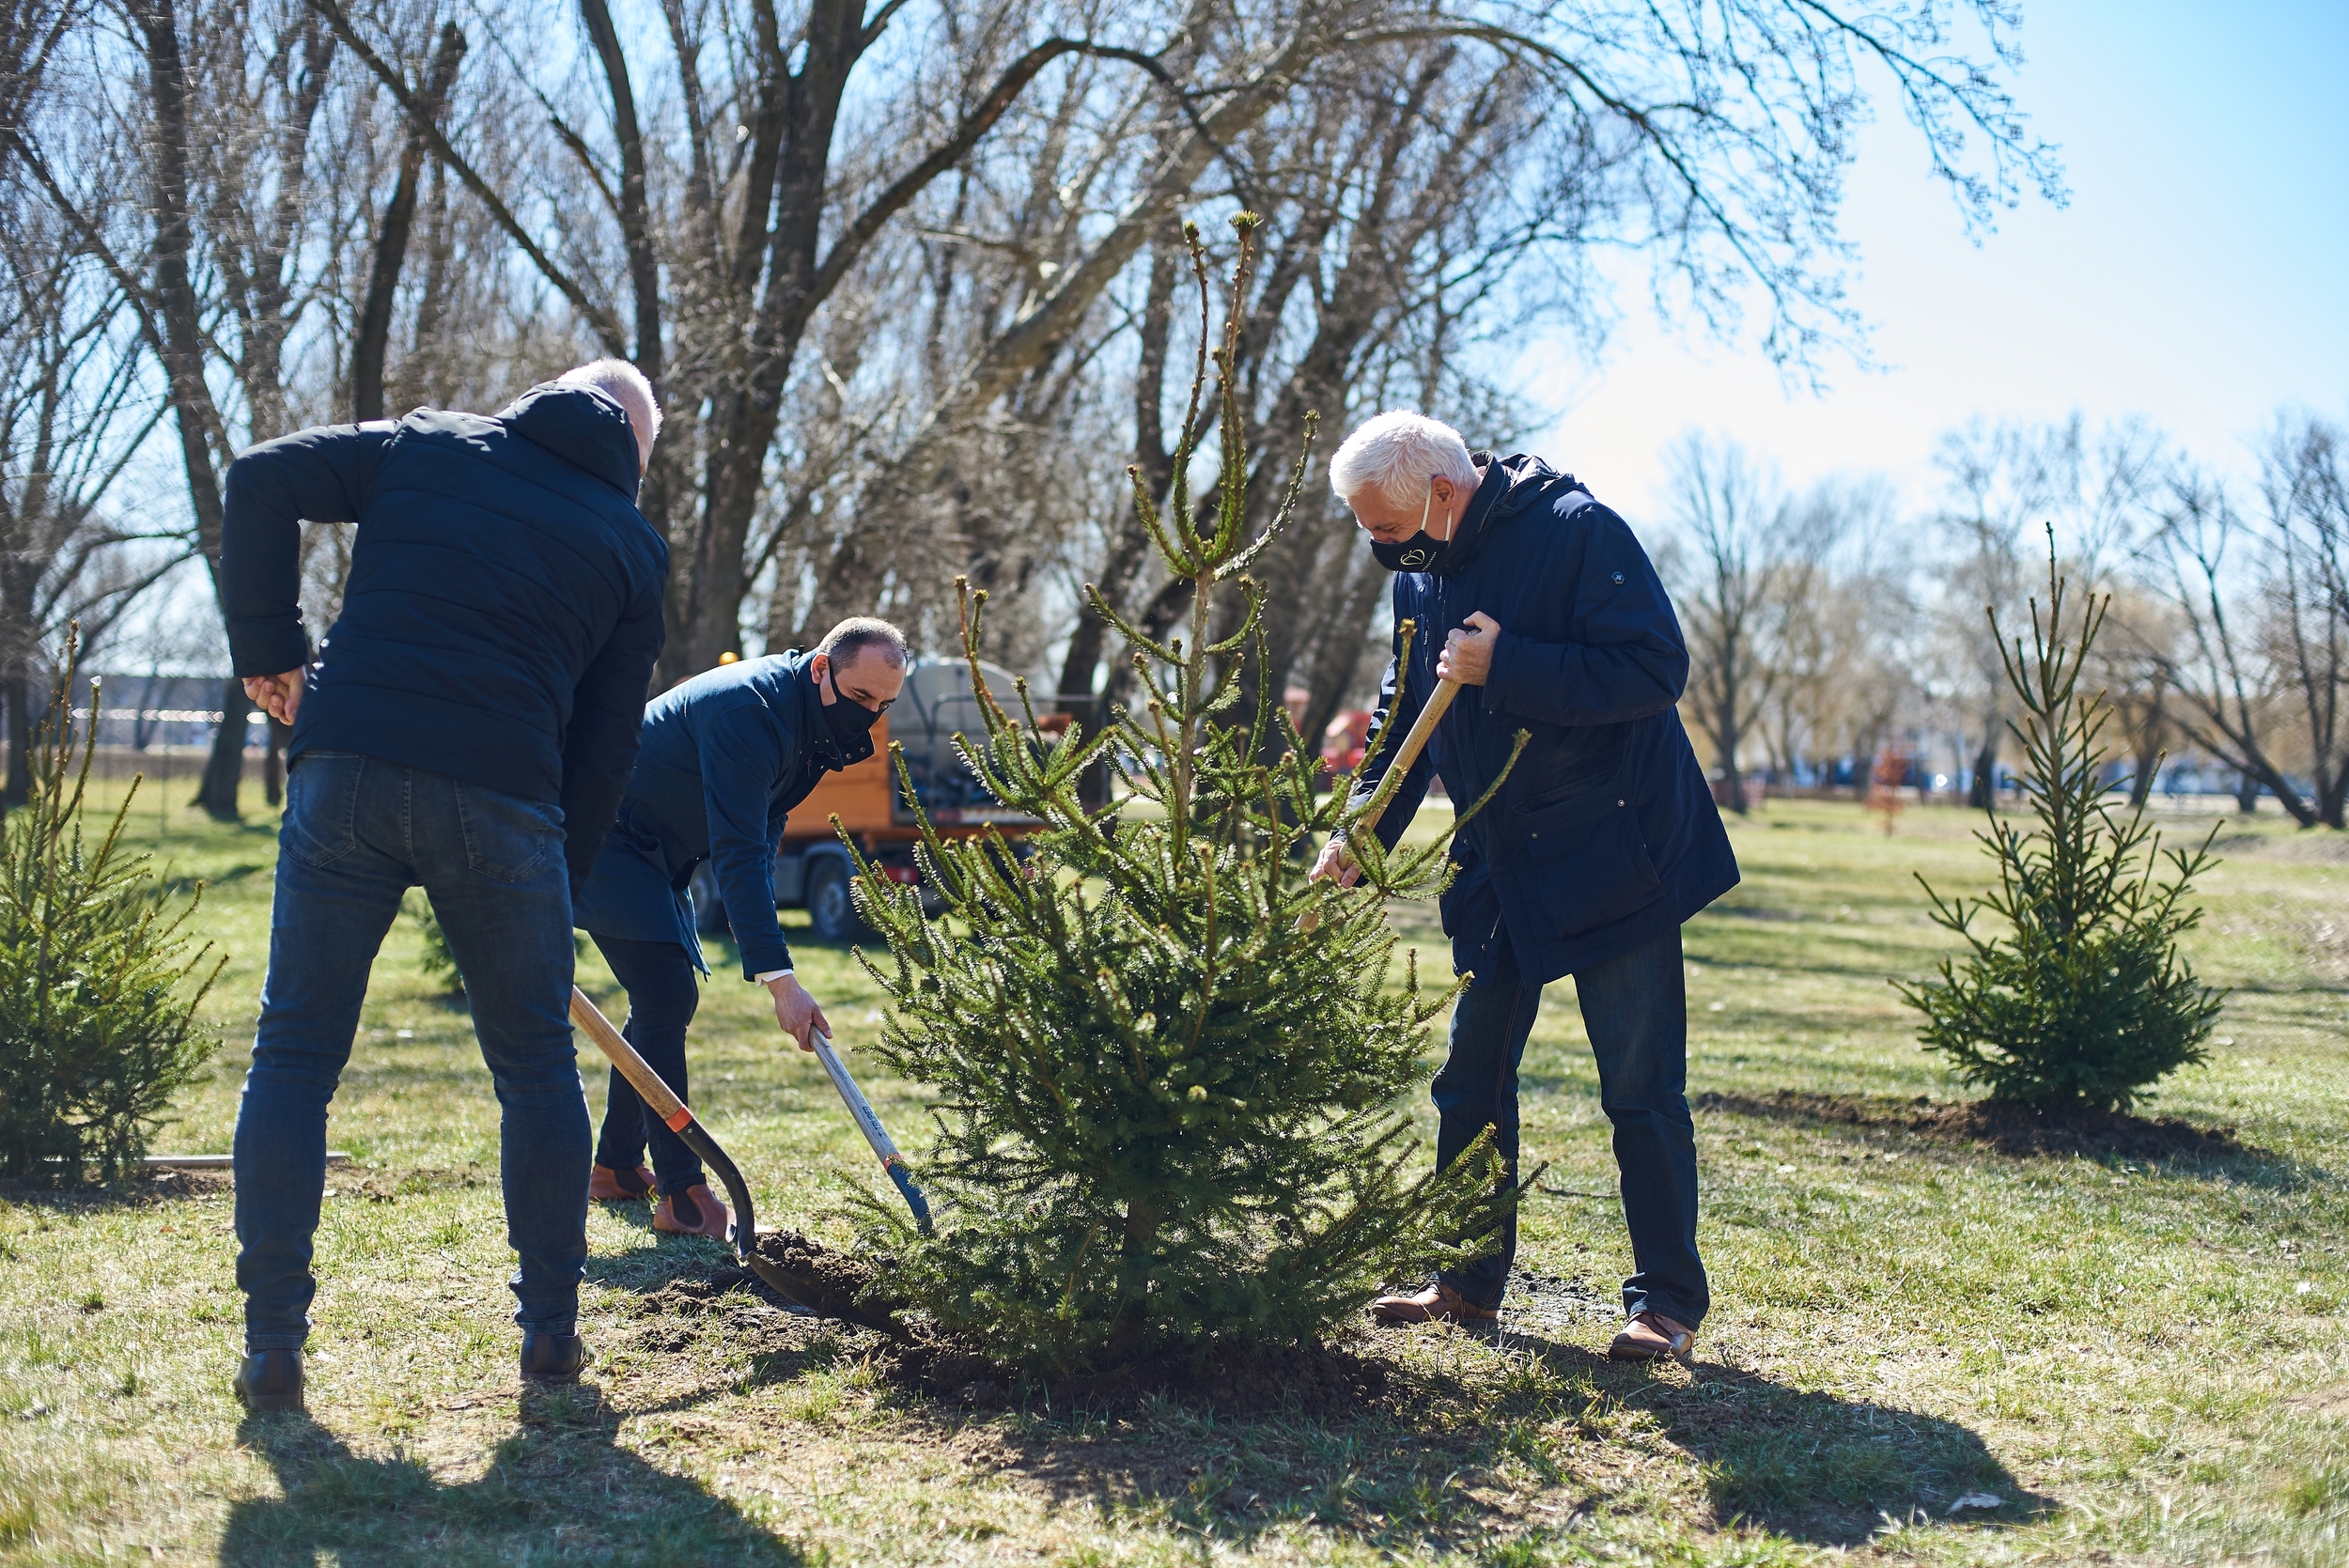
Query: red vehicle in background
x=1343 y=742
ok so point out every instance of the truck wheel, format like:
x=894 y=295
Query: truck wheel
x=830 y=909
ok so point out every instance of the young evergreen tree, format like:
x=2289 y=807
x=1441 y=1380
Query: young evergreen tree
x=99 y=980
x=2081 y=1000
x=1167 y=1110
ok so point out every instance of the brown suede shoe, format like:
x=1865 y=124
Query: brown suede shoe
x=694 y=1212
x=1653 y=1337
x=1438 y=1303
x=606 y=1186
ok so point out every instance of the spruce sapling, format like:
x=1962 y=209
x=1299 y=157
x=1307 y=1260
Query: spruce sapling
x=1166 y=1110
x=2083 y=1000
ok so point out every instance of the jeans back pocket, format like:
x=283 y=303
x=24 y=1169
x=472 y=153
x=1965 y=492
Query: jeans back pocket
x=508 y=839
x=321 y=821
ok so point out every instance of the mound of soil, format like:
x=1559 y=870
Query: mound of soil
x=1234 y=1378
x=2011 y=1129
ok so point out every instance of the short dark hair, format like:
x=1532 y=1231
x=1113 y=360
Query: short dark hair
x=852 y=637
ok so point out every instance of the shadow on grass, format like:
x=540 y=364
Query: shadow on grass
x=559 y=1490
x=1812 y=1466
x=2175 y=1146
x=1452 y=1458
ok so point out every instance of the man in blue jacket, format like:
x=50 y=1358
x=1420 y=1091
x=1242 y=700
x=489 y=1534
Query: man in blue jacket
x=1603 y=840
x=467 y=724
x=725 y=757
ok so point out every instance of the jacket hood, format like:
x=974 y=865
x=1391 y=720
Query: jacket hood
x=1511 y=485
x=581 y=425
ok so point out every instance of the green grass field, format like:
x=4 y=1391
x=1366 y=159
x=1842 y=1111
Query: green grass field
x=2135 y=1360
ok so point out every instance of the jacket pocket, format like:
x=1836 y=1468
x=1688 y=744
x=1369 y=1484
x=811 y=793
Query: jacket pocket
x=1587 y=861
x=508 y=839
x=321 y=821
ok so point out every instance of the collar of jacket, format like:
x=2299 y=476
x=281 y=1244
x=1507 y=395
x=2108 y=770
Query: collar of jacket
x=818 y=741
x=1511 y=484
x=583 y=426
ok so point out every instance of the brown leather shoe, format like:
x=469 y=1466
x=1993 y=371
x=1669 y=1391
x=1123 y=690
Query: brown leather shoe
x=606 y=1186
x=1653 y=1337
x=694 y=1212
x=1438 y=1303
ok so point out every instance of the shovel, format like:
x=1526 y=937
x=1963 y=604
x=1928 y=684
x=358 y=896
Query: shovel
x=666 y=1104
x=1413 y=743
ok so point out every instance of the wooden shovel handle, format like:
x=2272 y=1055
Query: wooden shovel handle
x=1430 y=712
x=639 y=1073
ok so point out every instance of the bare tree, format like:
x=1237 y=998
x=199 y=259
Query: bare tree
x=1734 y=573
x=2266 y=647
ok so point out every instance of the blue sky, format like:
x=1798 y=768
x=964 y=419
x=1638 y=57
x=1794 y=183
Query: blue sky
x=2200 y=275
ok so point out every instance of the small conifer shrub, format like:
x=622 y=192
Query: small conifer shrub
x=100 y=978
x=2072 y=994
x=1167 y=1112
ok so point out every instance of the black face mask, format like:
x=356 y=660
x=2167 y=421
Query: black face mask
x=846 y=720
x=1417 y=553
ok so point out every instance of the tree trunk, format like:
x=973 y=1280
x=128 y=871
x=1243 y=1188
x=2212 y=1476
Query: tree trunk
x=224 y=770
x=2247 y=793
x=16 y=688
x=273 y=763
x=1983 y=793
x=369 y=352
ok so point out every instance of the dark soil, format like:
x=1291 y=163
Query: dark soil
x=1319 y=1380
x=2009 y=1129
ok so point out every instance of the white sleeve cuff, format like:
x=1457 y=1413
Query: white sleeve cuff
x=766 y=976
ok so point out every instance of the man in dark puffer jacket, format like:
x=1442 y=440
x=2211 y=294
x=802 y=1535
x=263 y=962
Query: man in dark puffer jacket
x=468 y=725
x=1603 y=839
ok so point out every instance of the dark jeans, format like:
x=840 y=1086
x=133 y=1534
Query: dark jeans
x=1635 y=1007
x=663 y=988
x=358 y=832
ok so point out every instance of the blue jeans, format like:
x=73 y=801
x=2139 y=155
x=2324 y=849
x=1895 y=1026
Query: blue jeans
x=358 y=832
x=1635 y=1007
x=663 y=989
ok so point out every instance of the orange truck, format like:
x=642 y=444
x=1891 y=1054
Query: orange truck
x=812 y=868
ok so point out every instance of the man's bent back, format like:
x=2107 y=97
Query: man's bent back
x=468 y=726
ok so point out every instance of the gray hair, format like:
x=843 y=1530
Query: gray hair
x=852 y=637
x=627 y=386
x=1402 y=455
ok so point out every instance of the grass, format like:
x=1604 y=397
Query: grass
x=2139 y=1361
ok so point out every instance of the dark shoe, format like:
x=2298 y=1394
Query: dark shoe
x=606 y=1186
x=1653 y=1337
x=552 y=1358
x=1438 y=1303
x=695 y=1211
x=271 y=1380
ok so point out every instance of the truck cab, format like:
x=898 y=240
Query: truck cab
x=812 y=868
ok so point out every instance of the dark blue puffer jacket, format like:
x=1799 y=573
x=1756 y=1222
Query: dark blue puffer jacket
x=502 y=611
x=1605 y=835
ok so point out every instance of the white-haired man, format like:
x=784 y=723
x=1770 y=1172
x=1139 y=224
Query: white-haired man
x=1540 y=602
x=467 y=724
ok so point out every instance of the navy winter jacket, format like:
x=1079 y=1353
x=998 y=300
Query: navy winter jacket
x=1605 y=835
x=502 y=611
x=727 y=755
